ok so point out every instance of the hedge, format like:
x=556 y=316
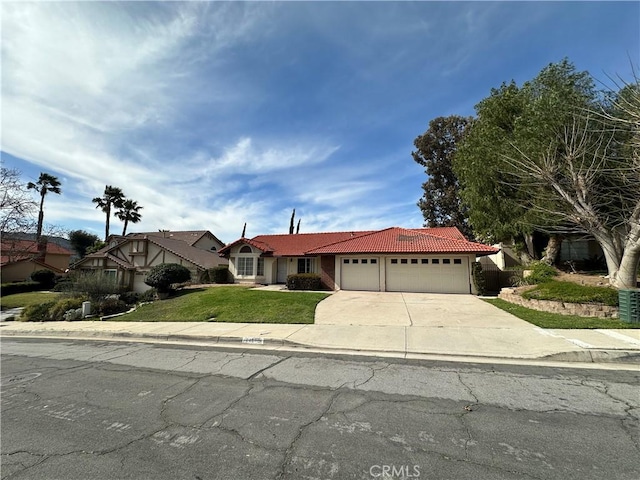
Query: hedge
x=220 y=274
x=20 y=287
x=304 y=281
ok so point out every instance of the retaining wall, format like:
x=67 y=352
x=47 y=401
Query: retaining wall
x=512 y=295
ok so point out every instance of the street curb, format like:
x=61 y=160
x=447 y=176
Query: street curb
x=628 y=357
x=597 y=356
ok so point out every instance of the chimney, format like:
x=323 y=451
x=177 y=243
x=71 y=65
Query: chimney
x=42 y=248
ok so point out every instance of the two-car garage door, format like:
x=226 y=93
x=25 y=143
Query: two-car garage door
x=429 y=274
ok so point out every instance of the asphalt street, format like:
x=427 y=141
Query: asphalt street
x=100 y=410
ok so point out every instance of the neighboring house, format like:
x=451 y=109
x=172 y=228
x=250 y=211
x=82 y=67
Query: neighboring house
x=393 y=260
x=505 y=258
x=20 y=258
x=130 y=258
x=582 y=249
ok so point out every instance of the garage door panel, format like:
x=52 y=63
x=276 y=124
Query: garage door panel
x=427 y=275
x=360 y=274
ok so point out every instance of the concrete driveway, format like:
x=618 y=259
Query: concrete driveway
x=412 y=310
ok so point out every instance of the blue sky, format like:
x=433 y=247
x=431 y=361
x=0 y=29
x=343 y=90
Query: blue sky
x=212 y=114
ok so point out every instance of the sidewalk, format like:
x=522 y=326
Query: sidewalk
x=521 y=343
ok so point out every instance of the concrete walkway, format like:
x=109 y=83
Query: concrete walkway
x=411 y=326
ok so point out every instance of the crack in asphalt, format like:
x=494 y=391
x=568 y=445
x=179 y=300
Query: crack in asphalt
x=262 y=370
x=374 y=370
x=468 y=388
x=288 y=454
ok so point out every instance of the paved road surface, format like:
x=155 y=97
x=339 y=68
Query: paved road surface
x=83 y=410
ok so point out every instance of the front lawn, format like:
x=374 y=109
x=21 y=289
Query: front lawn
x=26 y=299
x=555 y=320
x=572 y=293
x=230 y=304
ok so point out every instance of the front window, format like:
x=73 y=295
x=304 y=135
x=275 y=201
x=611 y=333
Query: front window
x=305 y=265
x=111 y=274
x=245 y=266
x=260 y=267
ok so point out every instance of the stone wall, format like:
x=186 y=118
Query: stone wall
x=513 y=295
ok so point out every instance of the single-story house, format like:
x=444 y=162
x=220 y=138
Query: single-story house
x=20 y=258
x=390 y=260
x=130 y=258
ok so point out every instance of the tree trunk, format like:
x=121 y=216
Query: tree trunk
x=124 y=229
x=525 y=256
x=528 y=241
x=627 y=274
x=553 y=249
x=40 y=218
x=106 y=226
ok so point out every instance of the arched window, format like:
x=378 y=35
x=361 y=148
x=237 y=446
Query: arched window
x=246 y=249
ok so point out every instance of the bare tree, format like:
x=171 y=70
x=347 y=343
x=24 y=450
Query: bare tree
x=16 y=204
x=591 y=180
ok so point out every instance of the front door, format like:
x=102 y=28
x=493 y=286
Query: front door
x=282 y=270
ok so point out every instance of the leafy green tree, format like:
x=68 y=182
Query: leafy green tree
x=557 y=156
x=81 y=241
x=97 y=245
x=46 y=183
x=129 y=212
x=112 y=197
x=440 y=204
x=511 y=122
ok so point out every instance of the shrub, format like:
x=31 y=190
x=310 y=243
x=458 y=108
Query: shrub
x=19 y=287
x=111 y=306
x=130 y=298
x=540 y=273
x=204 y=277
x=93 y=285
x=38 y=312
x=148 y=295
x=164 y=275
x=46 y=278
x=220 y=274
x=478 y=278
x=570 y=292
x=59 y=308
x=304 y=281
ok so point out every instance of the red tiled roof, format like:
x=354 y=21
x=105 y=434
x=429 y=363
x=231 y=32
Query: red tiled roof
x=30 y=247
x=390 y=240
x=296 y=245
x=448 y=232
x=402 y=240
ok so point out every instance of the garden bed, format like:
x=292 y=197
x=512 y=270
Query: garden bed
x=565 y=298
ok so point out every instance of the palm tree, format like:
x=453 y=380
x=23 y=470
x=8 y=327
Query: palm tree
x=46 y=183
x=112 y=196
x=129 y=213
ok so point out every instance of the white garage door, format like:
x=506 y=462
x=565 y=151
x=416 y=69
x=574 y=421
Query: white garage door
x=138 y=282
x=360 y=274
x=433 y=274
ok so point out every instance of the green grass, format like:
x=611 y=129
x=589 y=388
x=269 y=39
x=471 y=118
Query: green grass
x=573 y=293
x=230 y=304
x=555 y=320
x=26 y=299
